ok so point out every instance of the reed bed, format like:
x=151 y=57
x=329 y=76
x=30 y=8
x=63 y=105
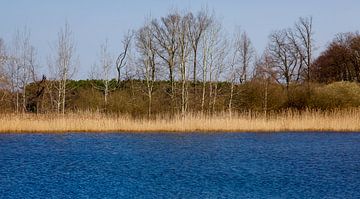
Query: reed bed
x=340 y=120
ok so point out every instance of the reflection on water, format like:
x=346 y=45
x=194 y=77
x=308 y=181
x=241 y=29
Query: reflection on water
x=221 y=165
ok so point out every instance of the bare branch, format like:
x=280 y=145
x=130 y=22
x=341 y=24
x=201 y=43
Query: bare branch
x=121 y=60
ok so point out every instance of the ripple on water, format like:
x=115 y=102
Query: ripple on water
x=221 y=165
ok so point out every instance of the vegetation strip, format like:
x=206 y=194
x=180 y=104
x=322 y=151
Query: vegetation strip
x=342 y=120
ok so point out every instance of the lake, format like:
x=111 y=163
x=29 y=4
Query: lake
x=219 y=165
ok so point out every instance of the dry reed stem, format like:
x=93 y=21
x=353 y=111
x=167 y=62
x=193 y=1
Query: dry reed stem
x=342 y=120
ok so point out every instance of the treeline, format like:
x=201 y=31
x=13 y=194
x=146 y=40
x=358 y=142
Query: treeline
x=185 y=63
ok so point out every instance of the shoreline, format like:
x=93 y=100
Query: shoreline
x=181 y=132
x=309 y=121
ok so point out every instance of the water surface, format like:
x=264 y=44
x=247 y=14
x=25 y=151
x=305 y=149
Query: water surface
x=221 y=165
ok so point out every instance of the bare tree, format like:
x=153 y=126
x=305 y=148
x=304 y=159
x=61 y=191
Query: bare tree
x=239 y=53
x=231 y=76
x=2 y=52
x=205 y=51
x=104 y=72
x=304 y=33
x=12 y=77
x=21 y=67
x=3 y=77
x=197 y=27
x=295 y=47
x=165 y=33
x=183 y=53
x=3 y=59
x=145 y=45
x=121 y=60
x=64 y=65
x=264 y=71
x=246 y=53
x=285 y=57
x=213 y=51
x=218 y=69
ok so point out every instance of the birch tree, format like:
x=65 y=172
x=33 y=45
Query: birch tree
x=21 y=67
x=264 y=71
x=214 y=44
x=197 y=27
x=205 y=50
x=218 y=69
x=103 y=72
x=64 y=65
x=3 y=77
x=246 y=53
x=2 y=52
x=146 y=48
x=183 y=53
x=3 y=59
x=233 y=69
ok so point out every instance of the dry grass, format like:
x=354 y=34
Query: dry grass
x=342 y=120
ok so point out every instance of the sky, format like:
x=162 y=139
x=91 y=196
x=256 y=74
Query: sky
x=94 y=21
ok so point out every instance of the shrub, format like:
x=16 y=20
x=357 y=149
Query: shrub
x=336 y=95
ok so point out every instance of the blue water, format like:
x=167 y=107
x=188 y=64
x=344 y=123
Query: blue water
x=226 y=165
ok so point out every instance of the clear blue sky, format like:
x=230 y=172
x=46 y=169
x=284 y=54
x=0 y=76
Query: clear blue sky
x=92 y=21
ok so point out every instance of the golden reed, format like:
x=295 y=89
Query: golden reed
x=340 y=120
